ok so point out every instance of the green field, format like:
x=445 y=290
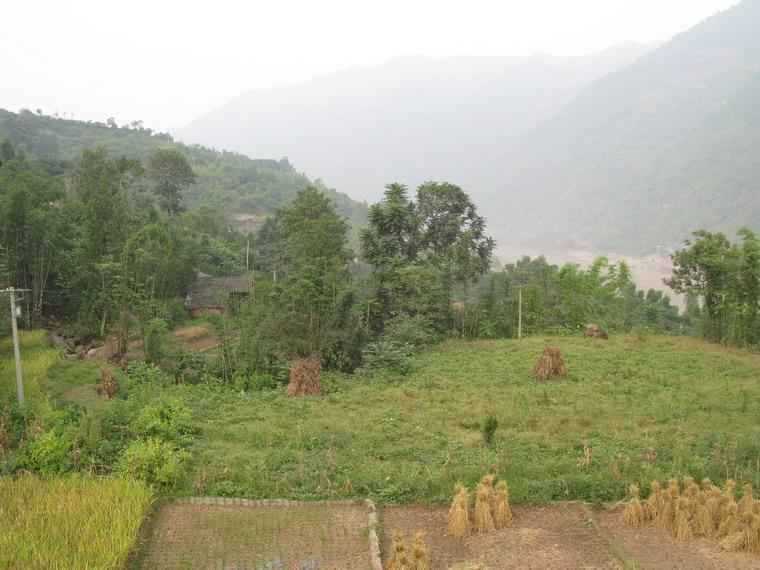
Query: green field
x=69 y=522
x=636 y=407
x=643 y=407
x=37 y=359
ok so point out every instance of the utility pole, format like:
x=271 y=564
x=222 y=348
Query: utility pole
x=16 y=350
x=519 y=312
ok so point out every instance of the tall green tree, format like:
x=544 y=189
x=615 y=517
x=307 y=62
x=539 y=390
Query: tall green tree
x=171 y=173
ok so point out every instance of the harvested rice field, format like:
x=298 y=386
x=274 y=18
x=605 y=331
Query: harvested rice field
x=652 y=547
x=559 y=536
x=302 y=536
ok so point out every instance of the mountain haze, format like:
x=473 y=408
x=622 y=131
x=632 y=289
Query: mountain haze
x=643 y=156
x=410 y=120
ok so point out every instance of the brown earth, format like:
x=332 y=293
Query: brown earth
x=305 y=535
x=654 y=548
x=540 y=537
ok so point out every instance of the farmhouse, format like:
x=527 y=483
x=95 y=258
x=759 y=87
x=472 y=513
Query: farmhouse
x=213 y=294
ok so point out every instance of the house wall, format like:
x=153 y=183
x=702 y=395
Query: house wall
x=198 y=312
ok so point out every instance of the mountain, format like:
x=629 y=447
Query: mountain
x=642 y=157
x=243 y=187
x=409 y=120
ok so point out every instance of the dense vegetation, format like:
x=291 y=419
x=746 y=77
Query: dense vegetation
x=228 y=181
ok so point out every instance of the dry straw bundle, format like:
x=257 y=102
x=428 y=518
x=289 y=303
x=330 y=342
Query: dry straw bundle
x=633 y=514
x=550 y=364
x=459 y=513
x=483 y=517
x=503 y=514
x=419 y=553
x=304 y=377
x=398 y=553
x=700 y=510
x=108 y=384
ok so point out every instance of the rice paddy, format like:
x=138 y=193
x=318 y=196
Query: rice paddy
x=70 y=522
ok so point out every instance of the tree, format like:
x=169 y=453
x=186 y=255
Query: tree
x=726 y=277
x=170 y=173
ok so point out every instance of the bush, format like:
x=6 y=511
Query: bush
x=489 y=428
x=389 y=356
x=141 y=372
x=154 y=461
x=50 y=453
x=167 y=419
x=413 y=332
x=156 y=340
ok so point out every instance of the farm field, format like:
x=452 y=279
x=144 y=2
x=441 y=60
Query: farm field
x=307 y=535
x=633 y=409
x=70 y=522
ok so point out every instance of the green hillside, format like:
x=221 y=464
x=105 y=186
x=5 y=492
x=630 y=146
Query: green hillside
x=644 y=155
x=231 y=181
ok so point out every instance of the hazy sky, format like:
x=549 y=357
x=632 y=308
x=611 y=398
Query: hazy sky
x=167 y=62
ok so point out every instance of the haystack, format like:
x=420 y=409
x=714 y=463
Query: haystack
x=595 y=331
x=483 y=517
x=419 y=553
x=108 y=384
x=503 y=514
x=633 y=515
x=459 y=513
x=550 y=365
x=304 y=377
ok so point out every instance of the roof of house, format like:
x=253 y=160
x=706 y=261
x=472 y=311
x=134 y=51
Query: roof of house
x=213 y=291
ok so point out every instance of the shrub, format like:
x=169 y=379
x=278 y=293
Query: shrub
x=167 y=419
x=389 y=356
x=141 y=372
x=156 y=340
x=413 y=332
x=255 y=381
x=152 y=460
x=50 y=453
x=489 y=428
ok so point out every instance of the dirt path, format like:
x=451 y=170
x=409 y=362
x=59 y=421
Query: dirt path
x=541 y=537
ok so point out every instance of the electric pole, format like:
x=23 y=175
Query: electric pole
x=519 y=312
x=15 y=311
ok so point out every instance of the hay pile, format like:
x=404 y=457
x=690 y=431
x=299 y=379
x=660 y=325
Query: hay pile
x=400 y=560
x=550 y=365
x=108 y=384
x=688 y=510
x=491 y=508
x=304 y=377
x=595 y=331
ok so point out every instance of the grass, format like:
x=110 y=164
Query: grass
x=37 y=356
x=70 y=522
x=632 y=409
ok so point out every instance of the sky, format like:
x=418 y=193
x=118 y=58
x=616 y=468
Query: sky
x=167 y=62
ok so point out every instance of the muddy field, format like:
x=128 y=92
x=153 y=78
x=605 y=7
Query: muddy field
x=274 y=537
x=540 y=537
x=652 y=547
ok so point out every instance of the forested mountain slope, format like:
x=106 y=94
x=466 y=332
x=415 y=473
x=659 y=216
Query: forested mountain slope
x=230 y=181
x=644 y=156
x=410 y=120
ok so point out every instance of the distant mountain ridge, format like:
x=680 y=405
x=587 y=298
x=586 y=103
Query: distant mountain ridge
x=230 y=181
x=643 y=156
x=409 y=120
